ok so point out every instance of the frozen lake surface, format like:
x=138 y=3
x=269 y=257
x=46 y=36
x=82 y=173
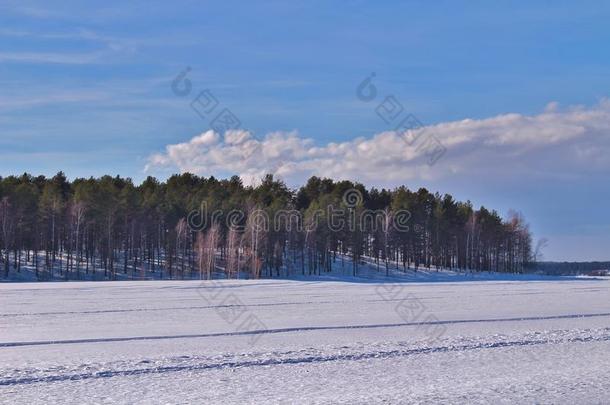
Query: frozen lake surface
x=290 y=341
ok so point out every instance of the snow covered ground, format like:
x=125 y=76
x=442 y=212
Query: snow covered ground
x=306 y=341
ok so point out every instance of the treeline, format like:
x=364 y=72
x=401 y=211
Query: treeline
x=573 y=268
x=196 y=227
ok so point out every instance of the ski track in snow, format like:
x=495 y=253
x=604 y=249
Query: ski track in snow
x=354 y=353
x=296 y=329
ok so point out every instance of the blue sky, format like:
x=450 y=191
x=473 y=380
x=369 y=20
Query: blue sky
x=87 y=90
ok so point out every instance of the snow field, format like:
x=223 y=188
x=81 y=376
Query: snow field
x=317 y=341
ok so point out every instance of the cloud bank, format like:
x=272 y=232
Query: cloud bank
x=557 y=143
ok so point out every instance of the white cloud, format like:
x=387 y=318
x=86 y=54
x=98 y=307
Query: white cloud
x=50 y=57
x=555 y=143
x=21 y=101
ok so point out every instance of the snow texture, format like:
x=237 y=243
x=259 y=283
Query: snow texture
x=306 y=341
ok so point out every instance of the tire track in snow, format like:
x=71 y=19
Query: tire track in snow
x=295 y=329
x=308 y=359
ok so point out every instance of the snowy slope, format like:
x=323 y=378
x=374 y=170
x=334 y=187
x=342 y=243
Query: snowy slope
x=341 y=270
x=295 y=341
